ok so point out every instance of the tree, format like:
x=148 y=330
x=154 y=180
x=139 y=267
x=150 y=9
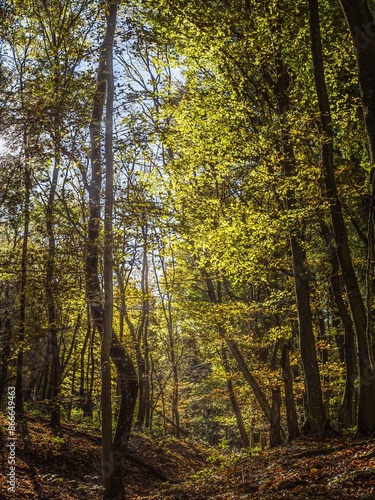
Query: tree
x=113 y=451
x=361 y=25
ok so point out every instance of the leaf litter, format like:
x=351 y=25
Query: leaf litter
x=68 y=467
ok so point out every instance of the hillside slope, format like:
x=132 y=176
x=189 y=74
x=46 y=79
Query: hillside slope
x=68 y=467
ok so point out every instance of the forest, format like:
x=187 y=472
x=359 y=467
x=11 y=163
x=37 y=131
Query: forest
x=187 y=244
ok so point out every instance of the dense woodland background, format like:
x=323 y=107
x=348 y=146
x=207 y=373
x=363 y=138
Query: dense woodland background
x=187 y=218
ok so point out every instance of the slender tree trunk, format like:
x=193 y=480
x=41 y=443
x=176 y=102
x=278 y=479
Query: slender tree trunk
x=323 y=356
x=347 y=415
x=362 y=29
x=232 y=396
x=242 y=365
x=149 y=388
x=50 y=297
x=301 y=273
x=114 y=453
x=84 y=393
x=142 y=335
x=45 y=378
x=150 y=411
x=136 y=335
x=176 y=392
x=275 y=436
x=315 y=406
x=249 y=377
x=91 y=364
x=291 y=412
x=22 y=324
x=168 y=315
x=113 y=482
x=6 y=329
x=362 y=320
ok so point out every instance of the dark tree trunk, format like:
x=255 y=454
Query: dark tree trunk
x=112 y=471
x=323 y=356
x=142 y=335
x=82 y=378
x=232 y=396
x=315 y=406
x=168 y=315
x=291 y=412
x=136 y=335
x=45 y=372
x=175 y=374
x=51 y=306
x=362 y=29
x=361 y=25
x=275 y=436
x=362 y=320
x=347 y=408
x=242 y=365
x=112 y=479
x=84 y=389
x=249 y=377
x=22 y=324
x=6 y=332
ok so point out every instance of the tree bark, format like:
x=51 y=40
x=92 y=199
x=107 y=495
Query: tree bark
x=22 y=324
x=242 y=365
x=112 y=478
x=144 y=383
x=315 y=405
x=50 y=296
x=301 y=273
x=362 y=320
x=275 y=436
x=362 y=29
x=168 y=315
x=136 y=335
x=232 y=396
x=347 y=415
x=291 y=412
x=6 y=329
x=112 y=468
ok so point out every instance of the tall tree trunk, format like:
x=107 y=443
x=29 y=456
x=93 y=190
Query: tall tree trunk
x=275 y=435
x=136 y=335
x=315 y=405
x=84 y=392
x=169 y=319
x=242 y=365
x=347 y=415
x=232 y=396
x=114 y=452
x=6 y=330
x=45 y=379
x=50 y=297
x=113 y=482
x=301 y=272
x=291 y=412
x=323 y=356
x=175 y=374
x=142 y=335
x=362 y=320
x=362 y=29
x=22 y=324
x=249 y=377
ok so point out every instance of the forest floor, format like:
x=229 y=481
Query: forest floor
x=68 y=467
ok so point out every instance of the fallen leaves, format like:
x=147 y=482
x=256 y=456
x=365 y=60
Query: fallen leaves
x=68 y=468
